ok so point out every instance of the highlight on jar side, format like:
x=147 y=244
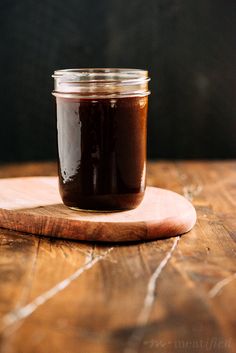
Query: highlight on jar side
x=102 y=137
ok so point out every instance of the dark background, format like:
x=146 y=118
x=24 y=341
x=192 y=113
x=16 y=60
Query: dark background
x=188 y=46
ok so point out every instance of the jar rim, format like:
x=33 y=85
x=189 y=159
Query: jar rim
x=102 y=82
x=89 y=75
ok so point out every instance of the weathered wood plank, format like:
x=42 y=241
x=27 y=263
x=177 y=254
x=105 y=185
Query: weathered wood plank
x=18 y=256
x=147 y=297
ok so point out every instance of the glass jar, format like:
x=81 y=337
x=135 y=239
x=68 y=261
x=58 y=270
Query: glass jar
x=101 y=125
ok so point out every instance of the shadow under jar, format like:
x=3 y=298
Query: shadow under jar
x=101 y=125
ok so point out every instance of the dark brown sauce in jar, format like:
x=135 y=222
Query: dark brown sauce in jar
x=102 y=151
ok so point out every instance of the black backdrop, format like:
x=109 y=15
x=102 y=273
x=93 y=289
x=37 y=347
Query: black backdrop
x=188 y=46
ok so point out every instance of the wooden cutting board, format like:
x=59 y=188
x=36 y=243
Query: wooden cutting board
x=33 y=205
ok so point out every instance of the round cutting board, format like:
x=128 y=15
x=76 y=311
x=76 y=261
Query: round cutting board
x=33 y=205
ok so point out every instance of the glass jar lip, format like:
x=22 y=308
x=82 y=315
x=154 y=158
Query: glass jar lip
x=101 y=75
x=100 y=82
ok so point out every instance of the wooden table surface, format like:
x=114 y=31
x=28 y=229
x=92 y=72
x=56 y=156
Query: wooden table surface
x=175 y=295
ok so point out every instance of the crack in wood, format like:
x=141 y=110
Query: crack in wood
x=26 y=290
x=15 y=316
x=220 y=285
x=189 y=190
x=192 y=190
x=5 y=344
x=138 y=334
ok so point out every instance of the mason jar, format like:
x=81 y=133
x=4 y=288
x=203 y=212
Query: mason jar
x=102 y=133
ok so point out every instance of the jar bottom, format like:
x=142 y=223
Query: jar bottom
x=104 y=203
x=94 y=211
